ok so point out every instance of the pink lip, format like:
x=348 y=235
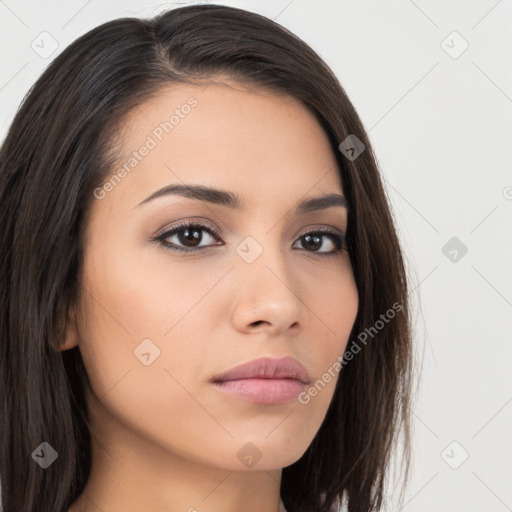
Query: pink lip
x=265 y=380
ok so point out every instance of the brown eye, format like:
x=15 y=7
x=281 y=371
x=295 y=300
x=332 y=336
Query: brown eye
x=316 y=240
x=189 y=237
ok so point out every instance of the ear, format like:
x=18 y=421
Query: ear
x=70 y=332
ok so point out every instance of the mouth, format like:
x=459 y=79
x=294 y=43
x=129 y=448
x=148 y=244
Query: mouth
x=264 y=381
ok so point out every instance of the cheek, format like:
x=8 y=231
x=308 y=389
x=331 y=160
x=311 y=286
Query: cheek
x=141 y=323
x=335 y=307
x=333 y=301
x=144 y=349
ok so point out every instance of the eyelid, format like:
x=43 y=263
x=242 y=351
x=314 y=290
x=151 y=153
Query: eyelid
x=315 y=228
x=186 y=223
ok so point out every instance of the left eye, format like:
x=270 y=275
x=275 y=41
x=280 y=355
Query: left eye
x=316 y=241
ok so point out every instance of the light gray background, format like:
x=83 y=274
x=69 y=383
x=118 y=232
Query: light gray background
x=441 y=129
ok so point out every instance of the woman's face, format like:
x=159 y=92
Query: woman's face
x=160 y=324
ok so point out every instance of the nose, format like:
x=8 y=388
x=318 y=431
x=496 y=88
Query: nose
x=267 y=296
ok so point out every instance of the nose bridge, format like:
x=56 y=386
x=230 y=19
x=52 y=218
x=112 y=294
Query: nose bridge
x=266 y=288
x=263 y=260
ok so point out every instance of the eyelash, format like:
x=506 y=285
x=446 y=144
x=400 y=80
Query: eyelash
x=338 y=239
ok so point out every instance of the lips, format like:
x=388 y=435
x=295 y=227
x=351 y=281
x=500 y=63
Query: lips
x=264 y=381
x=267 y=368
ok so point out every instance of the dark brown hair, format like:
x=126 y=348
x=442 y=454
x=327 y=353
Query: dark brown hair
x=59 y=149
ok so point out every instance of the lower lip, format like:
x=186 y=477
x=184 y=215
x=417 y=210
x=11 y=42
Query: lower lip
x=262 y=391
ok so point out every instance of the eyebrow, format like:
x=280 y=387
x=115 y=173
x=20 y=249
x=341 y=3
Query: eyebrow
x=230 y=200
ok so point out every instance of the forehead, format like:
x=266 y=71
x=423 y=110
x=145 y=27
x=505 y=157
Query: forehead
x=253 y=142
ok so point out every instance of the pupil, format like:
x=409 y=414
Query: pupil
x=190 y=235
x=314 y=242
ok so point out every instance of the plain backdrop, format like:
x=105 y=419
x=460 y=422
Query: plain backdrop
x=432 y=83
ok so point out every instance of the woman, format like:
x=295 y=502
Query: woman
x=204 y=301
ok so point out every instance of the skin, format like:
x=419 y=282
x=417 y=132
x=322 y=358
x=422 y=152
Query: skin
x=163 y=439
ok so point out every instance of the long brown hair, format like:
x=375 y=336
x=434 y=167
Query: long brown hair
x=59 y=148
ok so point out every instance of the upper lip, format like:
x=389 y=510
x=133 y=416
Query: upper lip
x=267 y=368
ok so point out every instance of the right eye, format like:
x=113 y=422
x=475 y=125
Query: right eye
x=189 y=235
